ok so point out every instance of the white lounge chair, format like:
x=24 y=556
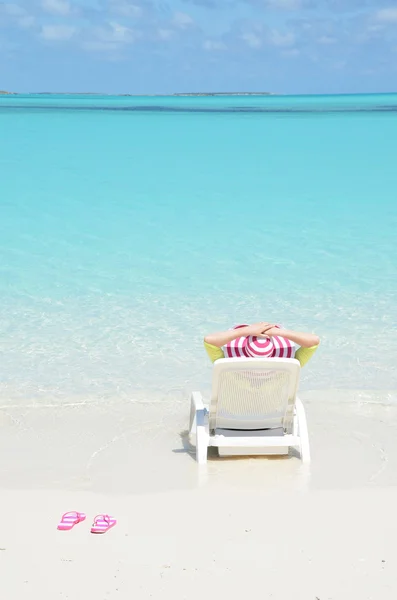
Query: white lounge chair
x=253 y=410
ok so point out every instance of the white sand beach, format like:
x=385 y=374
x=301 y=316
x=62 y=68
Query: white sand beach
x=260 y=527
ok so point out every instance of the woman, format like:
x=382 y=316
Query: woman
x=307 y=342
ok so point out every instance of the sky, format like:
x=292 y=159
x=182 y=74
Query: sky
x=144 y=46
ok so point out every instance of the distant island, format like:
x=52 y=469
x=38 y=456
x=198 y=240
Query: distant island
x=225 y=94
x=144 y=95
x=6 y=93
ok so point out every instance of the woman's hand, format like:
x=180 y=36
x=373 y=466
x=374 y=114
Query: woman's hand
x=264 y=330
x=224 y=337
x=259 y=329
x=272 y=330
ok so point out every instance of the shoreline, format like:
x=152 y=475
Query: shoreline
x=11 y=397
x=86 y=445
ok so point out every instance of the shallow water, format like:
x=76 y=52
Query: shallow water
x=130 y=227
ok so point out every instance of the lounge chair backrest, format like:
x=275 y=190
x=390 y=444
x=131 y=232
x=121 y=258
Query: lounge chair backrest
x=252 y=393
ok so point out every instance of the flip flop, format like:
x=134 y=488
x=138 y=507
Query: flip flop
x=70 y=519
x=102 y=524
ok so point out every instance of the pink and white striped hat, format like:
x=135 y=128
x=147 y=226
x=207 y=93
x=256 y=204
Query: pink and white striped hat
x=256 y=347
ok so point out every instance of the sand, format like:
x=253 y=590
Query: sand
x=267 y=528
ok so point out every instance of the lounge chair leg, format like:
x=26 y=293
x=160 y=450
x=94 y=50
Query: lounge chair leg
x=201 y=437
x=201 y=448
x=198 y=430
x=303 y=431
x=192 y=423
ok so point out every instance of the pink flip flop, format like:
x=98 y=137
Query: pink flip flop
x=102 y=524
x=70 y=519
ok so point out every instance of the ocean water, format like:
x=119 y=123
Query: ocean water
x=131 y=227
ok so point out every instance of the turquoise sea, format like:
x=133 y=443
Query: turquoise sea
x=132 y=226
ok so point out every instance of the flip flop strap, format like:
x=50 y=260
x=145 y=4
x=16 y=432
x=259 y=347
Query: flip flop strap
x=71 y=513
x=105 y=518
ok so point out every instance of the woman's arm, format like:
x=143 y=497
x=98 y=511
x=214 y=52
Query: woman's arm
x=305 y=340
x=224 y=337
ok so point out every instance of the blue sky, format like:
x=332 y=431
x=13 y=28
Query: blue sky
x=144 y=46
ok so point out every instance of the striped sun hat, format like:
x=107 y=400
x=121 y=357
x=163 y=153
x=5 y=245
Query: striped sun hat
x=257 y=347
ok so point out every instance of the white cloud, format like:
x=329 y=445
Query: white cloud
x=375 y=28
x=213 y=45
x=97 y=46
x=110 y=38
x=327 y=40
x=165 y=34
x=125 y=8
x=57 y=32
x=276 y=38
x=115 y=32
x=18 y=15
x=252 y=40
x=12 y=10
x=26 y=22
x=284 y=4
x=387 y=15
x=57 y=7
x=182 y=20
x=293 y=53
x=339 y=65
